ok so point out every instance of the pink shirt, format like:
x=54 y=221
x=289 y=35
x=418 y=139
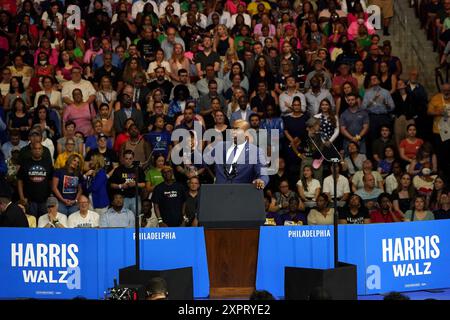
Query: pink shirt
x=82 y=116
x=232 y=8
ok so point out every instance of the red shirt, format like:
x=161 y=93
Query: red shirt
x=411 y=148
x=120 y=139
x=377 y=217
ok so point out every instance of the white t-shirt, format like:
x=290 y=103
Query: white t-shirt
x=90 y=221
x=342 y=186
x=85 y=86
x=44 y=220
x=312 y=187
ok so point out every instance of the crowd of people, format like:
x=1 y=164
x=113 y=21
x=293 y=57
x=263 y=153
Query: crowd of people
x=87 y=111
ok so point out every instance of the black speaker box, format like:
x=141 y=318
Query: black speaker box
x=179 y=281
x=339 y=282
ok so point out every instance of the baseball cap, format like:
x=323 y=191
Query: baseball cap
x=52 y=201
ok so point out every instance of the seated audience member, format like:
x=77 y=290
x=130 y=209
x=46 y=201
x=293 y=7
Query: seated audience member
x=271 y=217
x=282 y=198
x=117 y=216
x=404 y=195
x=444 y=206
x=439 y=187
x=369 y=193
x=323 y=214
x=419 y=212
x=308 y=187
x=385 y=164
x=342 y=188
x=293 y=216
x=423 y=183
x=53 y=219
x=354 y=212
x=425 y=158
x=392 y=181
x=84 y=218
x=357 y=179
x=354 y=161
x=386 y=212
x=147 y=218
x=380 y=144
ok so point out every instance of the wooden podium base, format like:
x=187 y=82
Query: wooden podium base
x=232 y=258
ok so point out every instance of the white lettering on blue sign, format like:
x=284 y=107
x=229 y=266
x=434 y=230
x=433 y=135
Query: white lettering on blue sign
x=373 y=280
x=411 y=249
x=309 y=233
x=46 y=256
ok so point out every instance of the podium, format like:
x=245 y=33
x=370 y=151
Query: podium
x=231 y=215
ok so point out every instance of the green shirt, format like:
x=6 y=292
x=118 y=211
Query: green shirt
x=429 y=216
x=154 y=176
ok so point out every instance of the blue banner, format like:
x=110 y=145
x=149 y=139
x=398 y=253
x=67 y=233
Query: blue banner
x=407 y=256
x=44 y=263
x=66 y=263
x=280 y=247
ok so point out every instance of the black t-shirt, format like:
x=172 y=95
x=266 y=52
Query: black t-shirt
x=165 y=86
x=204 y=59
x=109 y=155
x=345 y=214
x=122 y=175
x=115 y=74
x=25 y=154
x=170 y=199
x=192 y=204
x=148 y=48
x=13 y=217
x=441 y=214
x=36 y=176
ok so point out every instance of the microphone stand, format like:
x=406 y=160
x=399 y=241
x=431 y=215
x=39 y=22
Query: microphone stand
x=136 y=220
x=334 y=162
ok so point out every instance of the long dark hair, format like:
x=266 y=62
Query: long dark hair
x=332 y=115
x=304 y=182
x=21 y=87
x=36 y=114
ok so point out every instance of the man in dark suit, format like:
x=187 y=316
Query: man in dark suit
x=141 y=93
x=11 y=215
x=238 y=161
x=127 y=111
